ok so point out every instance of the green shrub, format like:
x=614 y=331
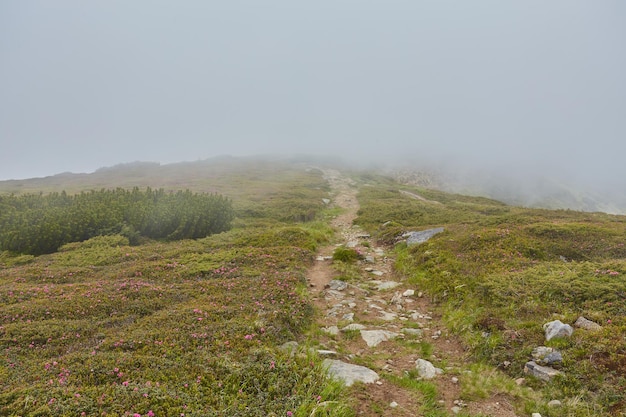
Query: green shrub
x=348 y=255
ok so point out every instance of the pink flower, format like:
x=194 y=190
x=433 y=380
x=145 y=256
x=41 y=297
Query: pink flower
x=125 y=383
x=248 y=337
x=136 y=415
x=150 y=413
x=289 y=413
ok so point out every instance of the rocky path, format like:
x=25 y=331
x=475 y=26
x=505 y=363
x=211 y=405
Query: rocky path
x=376 y=327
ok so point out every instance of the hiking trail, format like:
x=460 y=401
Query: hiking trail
x=392 y=327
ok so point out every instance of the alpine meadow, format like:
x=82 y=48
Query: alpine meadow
x=216 y=312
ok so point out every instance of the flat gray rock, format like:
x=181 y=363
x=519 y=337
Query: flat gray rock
x=385 y=285
x=353 y=326
x=413 y=332
x=414 y=238
x=337 y=285
x=545 y=373
x=388 y=316
x=349 y=373
x=583 y=323
x=332 y=330
x=375 y=337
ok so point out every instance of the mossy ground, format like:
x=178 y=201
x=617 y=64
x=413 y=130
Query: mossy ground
x=187 y=328
x=193 y=327
x=499 y=273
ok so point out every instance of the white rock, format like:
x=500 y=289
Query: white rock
x=375 y=337
x=332 y=330
x=388 y=316
x=393 y=404
x=554 y=403
x=385 y=285
x=557 y=329
x=425 y=369
x=536 y=415
x=408 y=293
x=413 y=332
x=349 y=373
x=353 y=326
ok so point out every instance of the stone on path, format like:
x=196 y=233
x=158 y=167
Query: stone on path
x=353 y=326
x=337 y=285
x=425 y=369
x=388 y=316
x=349 y=373
x=385 y=285
x=408 y=293
x=544 y=373
x=583 y=323
x=332 y=330
x=375 y=337
x=557 y=329
x=413 y=332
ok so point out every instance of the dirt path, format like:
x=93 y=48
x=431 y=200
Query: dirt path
x=378 y=300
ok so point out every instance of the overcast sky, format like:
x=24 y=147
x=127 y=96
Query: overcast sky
x=534 y=84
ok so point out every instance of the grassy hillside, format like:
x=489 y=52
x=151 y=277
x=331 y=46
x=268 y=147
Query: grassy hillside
x=191 y=328
x=195 y=327
x=501 y=272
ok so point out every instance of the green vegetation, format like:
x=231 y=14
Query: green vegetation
x=138 y=310
x=37 y=224
x=347 y=255
x=499 y=273
x=188 y=327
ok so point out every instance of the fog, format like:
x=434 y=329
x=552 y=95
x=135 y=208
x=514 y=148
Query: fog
x=520 y=88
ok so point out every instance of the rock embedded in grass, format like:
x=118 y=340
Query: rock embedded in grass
x=583 y=323
x=426 y=370
x=545 y=373
x=557 y=328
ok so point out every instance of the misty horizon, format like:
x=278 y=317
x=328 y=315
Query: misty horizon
x=519 y=89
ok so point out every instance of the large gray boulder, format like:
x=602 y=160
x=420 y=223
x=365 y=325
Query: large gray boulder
x=349 y=373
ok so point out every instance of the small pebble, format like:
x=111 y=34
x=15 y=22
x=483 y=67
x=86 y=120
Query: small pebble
x=393 y=404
